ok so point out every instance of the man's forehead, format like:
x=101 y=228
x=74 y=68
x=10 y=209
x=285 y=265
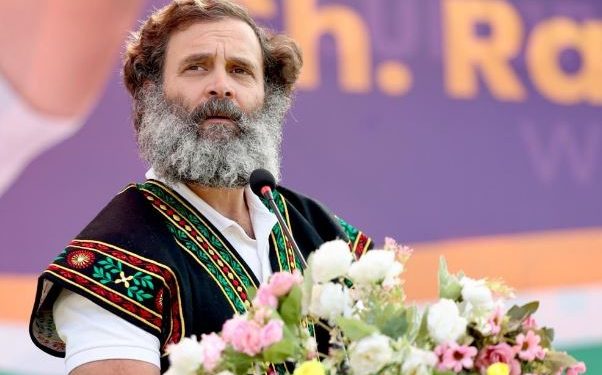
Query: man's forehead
x=231 y=36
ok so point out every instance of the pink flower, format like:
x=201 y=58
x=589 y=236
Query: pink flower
x=250 y=337
x=402 y=253
x=455 y=357
x=246 y=337
x=495 y=320
x=576 y=369
x=281 y=282
x=271 y=333
x=529 y=323
x=498 y=353
x=527 y=346
x=265 y=297
x=212 y=347
x=232 y=328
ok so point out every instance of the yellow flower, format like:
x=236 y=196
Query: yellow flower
x=310 y=368
x=498 y=369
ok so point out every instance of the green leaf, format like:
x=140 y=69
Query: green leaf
x=98 y=272
x=284 y=349
x=280 y=351
x=239 y=363
x=449 y=285
x=558 y=360
x=392 y=320
x=422 y=335
x=547 y=336
x=355 y=329
x=520 y=313
x=290 y=308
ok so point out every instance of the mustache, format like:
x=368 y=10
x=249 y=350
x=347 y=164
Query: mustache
x=216 y=107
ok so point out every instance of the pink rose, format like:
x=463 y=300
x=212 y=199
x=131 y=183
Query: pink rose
x=265 y=297
x=498 y=353
x=248 y=338
x=282 y=282
x=232 y=328
x=212 y=347
x=271 y=333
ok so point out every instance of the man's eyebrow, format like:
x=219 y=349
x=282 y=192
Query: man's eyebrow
x=195 y=58
x=243 y=62
x=198 y=57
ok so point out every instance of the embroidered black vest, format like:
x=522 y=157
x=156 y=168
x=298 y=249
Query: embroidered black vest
x=152 y=259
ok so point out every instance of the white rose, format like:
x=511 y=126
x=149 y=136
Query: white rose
x=185 y=357
x=330 y=261
x=444 y=321
x=477 y=294
x=370 y=354
x=419 y=362
x=328 y=301
x=372 y=267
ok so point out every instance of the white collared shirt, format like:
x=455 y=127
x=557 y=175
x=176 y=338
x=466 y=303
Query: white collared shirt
x=92 y=333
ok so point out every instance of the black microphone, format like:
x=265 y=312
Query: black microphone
x=262 y=183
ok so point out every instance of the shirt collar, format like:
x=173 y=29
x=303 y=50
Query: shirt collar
x=261 y=218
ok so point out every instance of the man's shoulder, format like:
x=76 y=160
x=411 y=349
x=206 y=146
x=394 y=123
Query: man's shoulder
x=300 y=200
x=128 y=220
x=330 y=225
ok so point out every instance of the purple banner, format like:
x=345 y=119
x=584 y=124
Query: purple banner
x=421 y=120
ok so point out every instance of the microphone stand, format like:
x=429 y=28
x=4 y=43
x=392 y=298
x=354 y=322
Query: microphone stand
x=266 y=191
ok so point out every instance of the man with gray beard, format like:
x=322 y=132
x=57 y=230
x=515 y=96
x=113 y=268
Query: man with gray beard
x=178 y=254
x=170 y=139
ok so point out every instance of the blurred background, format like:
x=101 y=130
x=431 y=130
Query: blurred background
x=465 y=128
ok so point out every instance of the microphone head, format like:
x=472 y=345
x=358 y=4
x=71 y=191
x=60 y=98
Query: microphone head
x=261 y=178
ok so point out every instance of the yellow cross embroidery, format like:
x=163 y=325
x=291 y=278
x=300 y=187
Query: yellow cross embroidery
x=124 y=280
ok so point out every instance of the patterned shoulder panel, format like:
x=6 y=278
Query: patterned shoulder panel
x=140 y=290
x=359 y=242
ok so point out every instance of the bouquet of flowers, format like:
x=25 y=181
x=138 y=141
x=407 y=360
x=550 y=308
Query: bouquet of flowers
x=361 y=304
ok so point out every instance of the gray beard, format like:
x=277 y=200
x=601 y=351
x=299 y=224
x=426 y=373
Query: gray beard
x=220 y=156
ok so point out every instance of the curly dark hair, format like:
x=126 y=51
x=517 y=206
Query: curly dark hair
x=145 y=50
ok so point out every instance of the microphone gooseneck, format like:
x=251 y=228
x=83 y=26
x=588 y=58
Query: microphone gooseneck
x=262 y=183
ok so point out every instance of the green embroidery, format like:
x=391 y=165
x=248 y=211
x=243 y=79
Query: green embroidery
x=283 y=250
x=349 y=230
x=139 y=294
x=104 y=277
x=185 y=240
x=203 y=229
x=61 y=256
x=145 y=281
x=110 y=265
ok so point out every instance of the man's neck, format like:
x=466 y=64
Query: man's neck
x=229 y=202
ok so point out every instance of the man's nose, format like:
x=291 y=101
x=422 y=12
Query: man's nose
x=220 y=85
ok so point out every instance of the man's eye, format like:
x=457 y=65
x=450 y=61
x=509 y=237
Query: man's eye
x=194 y=67
x=240 y=71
